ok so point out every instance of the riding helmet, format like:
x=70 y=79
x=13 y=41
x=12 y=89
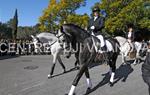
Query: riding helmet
x=96 y=9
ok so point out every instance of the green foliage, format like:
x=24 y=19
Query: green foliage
x=10 y=23
x=57 y=12
x=122 y=12
x=23 y=32
x=80 y=20
x=5 y=31
x=26 y=31
x=15 y=25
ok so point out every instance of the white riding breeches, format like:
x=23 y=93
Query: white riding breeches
x=138 y=47
x=109 y=46
x=101 y=38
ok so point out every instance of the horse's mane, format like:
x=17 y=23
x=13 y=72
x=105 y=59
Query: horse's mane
x=76 y=26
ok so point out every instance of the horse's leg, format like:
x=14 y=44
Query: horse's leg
x=53 y=66
x=110 y=71
x=77 y=60
x=76 y=63
x=112 y=78
x=89 y=82
x=135 y=61
x=112 y=64
x=61 y=63
x=123 y=58
x=77 y=78
x=149 y=89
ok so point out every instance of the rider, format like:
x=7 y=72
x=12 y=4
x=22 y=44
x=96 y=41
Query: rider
x=95 y=25
x=130 y=36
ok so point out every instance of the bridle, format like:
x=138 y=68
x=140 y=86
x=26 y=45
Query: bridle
x=67 y=38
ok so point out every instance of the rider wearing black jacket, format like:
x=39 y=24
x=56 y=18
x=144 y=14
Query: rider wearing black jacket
x=95 y=26
x=146 y=69
x=96 y=23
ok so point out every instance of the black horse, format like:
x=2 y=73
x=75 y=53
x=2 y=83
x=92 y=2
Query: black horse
x=87 y=52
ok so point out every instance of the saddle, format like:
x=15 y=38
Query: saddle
x=98 y=44
x=100 y=55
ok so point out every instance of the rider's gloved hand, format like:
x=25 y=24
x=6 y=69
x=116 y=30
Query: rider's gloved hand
x=92 y=27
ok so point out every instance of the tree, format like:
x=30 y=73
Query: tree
x=57 y=12
x=145 y=21
x=15 y=25
x=26 y=31
x=10 y=23
x=121 y=12
x=5 y=31
x=80 y=20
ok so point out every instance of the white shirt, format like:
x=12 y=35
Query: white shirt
x=95 y=18
x=129 y=34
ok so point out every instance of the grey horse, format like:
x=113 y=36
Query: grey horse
x=55 y=47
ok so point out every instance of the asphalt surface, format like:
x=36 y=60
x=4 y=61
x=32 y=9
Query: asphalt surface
x=27 y=75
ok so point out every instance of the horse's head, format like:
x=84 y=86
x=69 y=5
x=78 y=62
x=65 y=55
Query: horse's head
x=71 y=35
x=65 y=41
x=36 y=42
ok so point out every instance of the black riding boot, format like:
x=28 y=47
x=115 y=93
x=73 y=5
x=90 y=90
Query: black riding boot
x=104 y=49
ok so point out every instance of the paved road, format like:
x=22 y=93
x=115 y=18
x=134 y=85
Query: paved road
x=27 y=75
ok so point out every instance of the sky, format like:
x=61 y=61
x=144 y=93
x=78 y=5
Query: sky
x=30 y=10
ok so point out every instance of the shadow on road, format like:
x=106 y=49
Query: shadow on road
x=122 y=74
x=138 y=61
x=94 y=64
x=72 y=69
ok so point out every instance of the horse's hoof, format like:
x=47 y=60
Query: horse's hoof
x=111 y=84
x=135 y=63
x=64 y=71
x=77 y=67
x=49 y=76
x=88 y=90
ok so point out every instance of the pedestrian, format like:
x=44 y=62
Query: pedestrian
x=131 y=36
x=146 y=69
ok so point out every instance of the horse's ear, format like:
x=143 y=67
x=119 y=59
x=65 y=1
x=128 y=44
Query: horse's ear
x=62 y=30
